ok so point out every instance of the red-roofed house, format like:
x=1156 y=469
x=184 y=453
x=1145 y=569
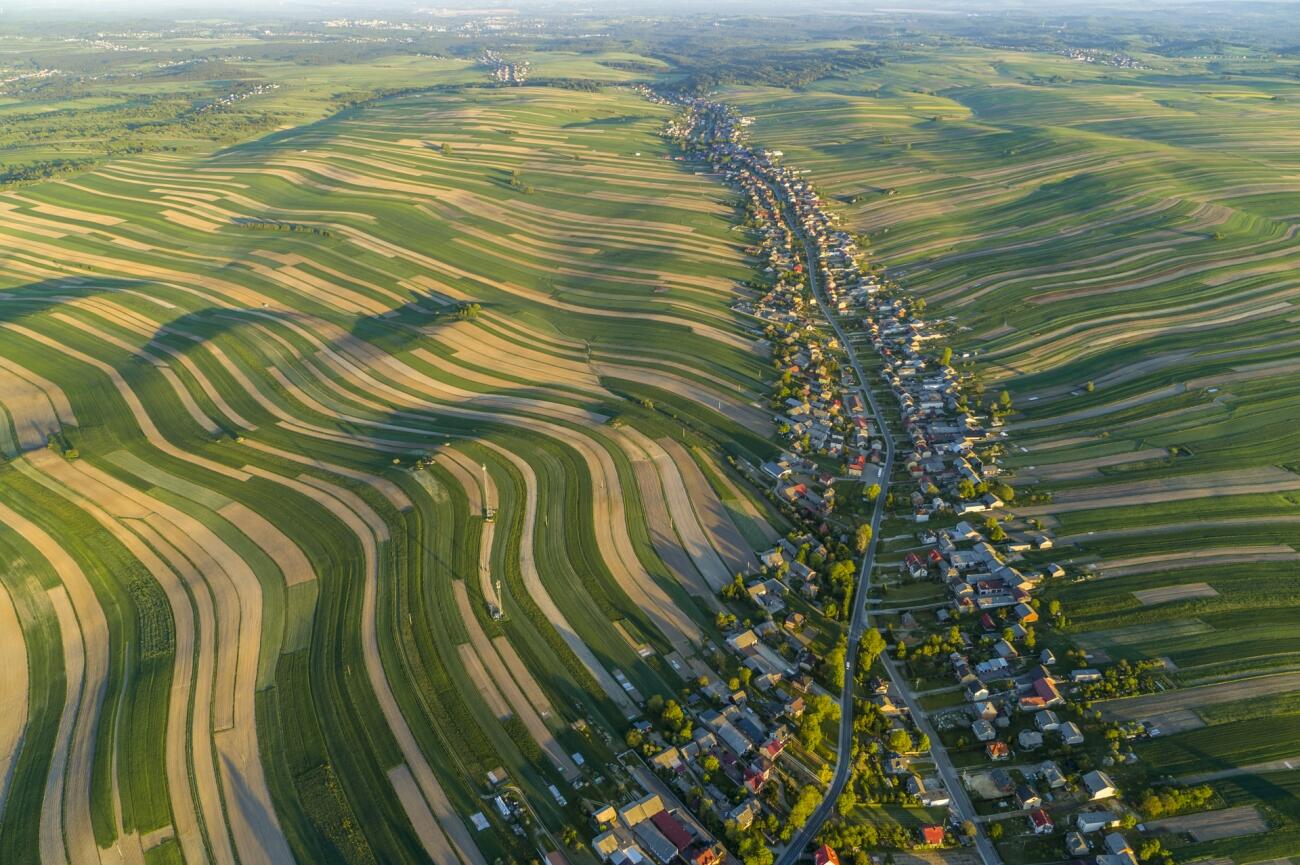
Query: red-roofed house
x=932 y=835
x=1041 y=821
x=1047 y=691
x=825 y=856
x=672 y=829
x=998 y=750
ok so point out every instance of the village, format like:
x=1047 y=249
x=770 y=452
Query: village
x=735 y=752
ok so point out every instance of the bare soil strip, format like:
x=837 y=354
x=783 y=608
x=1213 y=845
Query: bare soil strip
x=1213 y=825
x=288 y=557
x=31 y=411
x=13 y=689
x=506 y=678
x=690 y=535
x=1132 y=708
x=486 y=687
x=422 y=819
x=1286 y=764
x=726 y=538
x=1164 y=594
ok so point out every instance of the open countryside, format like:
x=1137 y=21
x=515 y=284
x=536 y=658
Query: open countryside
x=563 y=435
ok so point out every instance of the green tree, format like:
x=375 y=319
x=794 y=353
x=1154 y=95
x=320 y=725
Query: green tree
x=945 y=357
x=862 y=539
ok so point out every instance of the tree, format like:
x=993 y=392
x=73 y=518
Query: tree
x=873 y=492
x=995 y=831
x=966 y=488
x=1004 y=400
x=1054 y=608
x=899 y=741
x=869 y=649
x=968 y=828
x=945 y=357
x=446 y=148
x=862 y=539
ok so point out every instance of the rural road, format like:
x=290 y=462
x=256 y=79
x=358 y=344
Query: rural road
x=859 y=622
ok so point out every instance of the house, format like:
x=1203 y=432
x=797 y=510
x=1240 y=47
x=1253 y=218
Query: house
x=1099 y=785
x=1045 y=689
x=673 y=829
x=1070 y=733
x=1095 y=821
x=640 y=810
x=1041 y=822
x=1027 y=798
x=984 y=710
x=1052 y=774
x=605 y=845
x=825 y=855
x=743 y=814
x=998 y=750
x=1028 y=740
x=653 y=841
x=1046 y=721
x=932 y=836
x=983 y=730
x=1081 y=677
x=1076 y=844
x=1116 y=844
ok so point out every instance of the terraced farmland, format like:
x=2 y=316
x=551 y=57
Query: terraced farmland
x=1117 y=249
x=282 y=426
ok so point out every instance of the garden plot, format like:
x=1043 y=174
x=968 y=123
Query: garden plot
x=1184 y=592
x=1213 y=825
x=1132 y=708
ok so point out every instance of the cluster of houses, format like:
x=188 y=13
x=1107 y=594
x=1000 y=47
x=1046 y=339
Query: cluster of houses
x=647 y=831
x=505 y=71
x=1006 y=683
x=237 y=96
x=820 y=410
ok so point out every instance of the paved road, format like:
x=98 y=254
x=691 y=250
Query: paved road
x=859 y=622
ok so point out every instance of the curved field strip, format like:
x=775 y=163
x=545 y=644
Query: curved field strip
x=13 y=689
x=66 y=813
x=481 y=493
x=542 y=597
x=372 y=531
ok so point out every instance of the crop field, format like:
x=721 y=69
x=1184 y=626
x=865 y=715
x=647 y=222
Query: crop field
x=1115 y=247
x=284 y=424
